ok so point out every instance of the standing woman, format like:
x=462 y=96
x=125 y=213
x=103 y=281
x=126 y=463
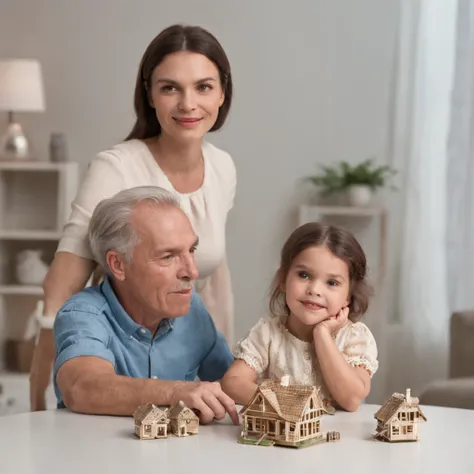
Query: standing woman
x=183 y=91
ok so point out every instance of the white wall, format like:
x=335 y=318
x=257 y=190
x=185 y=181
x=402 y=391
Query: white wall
x=312 y=83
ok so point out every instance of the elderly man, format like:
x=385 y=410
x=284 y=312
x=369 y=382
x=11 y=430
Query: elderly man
x=143 y=335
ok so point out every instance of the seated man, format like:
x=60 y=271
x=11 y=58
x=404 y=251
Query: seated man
x=143 y=334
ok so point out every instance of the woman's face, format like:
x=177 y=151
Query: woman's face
x=186 y=93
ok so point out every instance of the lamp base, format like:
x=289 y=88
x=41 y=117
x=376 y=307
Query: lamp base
x=14 y=144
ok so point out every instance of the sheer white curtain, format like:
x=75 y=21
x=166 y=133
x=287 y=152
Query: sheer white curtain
x=461 y=167
x=418 y=348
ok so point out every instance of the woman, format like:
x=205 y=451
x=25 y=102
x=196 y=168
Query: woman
x=183 y=90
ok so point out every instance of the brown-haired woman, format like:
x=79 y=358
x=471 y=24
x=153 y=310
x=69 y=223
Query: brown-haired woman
x=314 y=335
x=183 y=90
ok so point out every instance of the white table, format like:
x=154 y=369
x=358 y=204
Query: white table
x=66 y=443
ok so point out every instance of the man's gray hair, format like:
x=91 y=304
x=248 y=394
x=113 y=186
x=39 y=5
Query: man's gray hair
x=110 y=225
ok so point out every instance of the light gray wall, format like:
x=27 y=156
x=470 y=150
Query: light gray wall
x=312 y=84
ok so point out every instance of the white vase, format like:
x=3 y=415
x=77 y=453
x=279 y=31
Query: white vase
x=359 y=195
x=30 y=268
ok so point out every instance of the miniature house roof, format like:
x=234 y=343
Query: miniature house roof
x=150 y=412
x=289 y=401
x=396 y=402
x=180 y=410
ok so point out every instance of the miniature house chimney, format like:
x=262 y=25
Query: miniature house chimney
x=408 y=396
x=285 y=381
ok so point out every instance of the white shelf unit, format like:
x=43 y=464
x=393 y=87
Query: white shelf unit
x=35 y=202
x=308 y=213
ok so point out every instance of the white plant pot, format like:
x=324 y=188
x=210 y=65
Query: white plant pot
x=30 y=268
x=359 y=196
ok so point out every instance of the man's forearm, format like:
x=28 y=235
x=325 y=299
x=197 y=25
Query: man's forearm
x=112 y=394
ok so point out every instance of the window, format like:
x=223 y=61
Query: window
x=292 y=427
x=147 y=428
x=395 y=430
x=410 y=429
x=271 y=427
x=258 y=424
x=249 y=424
x=402 y=416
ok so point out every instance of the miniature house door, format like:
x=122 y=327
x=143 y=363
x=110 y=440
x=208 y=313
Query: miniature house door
x=183 y=430
x=161 y=431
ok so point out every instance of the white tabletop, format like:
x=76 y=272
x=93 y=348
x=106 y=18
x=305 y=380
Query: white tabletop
x=59 y=441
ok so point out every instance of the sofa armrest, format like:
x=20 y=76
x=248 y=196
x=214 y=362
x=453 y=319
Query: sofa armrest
x=461 y=358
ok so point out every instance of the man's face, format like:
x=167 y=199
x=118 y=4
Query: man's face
x=162 y=271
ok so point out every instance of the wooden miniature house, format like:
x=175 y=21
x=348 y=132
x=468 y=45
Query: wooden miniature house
x=284 y=414
x=151 y=422
x=398 y=418
x=183 y=420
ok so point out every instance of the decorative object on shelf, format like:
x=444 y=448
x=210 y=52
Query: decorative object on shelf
x=152 y=422
x=30 y=268
x=21 y=90
x=398 y=418
x=358 y=183
x=282 y=414
x=58 y=148
x=5 y=403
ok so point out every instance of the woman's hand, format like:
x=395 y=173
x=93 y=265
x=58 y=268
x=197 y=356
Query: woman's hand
x=333 y=323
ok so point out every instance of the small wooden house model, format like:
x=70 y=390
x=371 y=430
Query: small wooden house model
x=151 y=422
x=283 y=414
x=183 y=420
x=398 y=418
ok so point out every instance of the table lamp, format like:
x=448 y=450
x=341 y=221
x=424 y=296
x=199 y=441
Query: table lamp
x=21 y=90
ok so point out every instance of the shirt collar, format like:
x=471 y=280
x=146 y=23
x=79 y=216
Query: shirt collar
x=122 y=317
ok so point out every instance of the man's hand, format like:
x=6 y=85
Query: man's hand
x=333 y=323
x=206 y=397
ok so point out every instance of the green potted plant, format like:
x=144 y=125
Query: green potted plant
x=358 y=182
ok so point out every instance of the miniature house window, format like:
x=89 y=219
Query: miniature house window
x=410 y=429
x=395 y=430
x=249 y=424
x=271 y=426
x=412 y=416
x=147 y=428
x=311 y=404
x=188 y=421
x=292 y=427
x=162 y=420
x=258 y=424
x=402 y=416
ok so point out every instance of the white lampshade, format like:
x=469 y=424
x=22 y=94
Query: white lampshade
x=21 y=86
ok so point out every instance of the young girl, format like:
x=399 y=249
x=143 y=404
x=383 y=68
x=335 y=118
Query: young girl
x=318 y=296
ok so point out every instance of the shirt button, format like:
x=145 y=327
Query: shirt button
x=307 y=356
x=154 y=377
x=143 y=331
x=307 y=370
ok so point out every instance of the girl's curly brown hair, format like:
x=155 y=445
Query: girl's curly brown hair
x=342 y=244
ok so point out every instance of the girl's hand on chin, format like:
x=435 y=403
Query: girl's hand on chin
x=333 y=323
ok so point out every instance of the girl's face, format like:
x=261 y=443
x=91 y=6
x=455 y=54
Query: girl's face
x=186 y=93
x=317 y=286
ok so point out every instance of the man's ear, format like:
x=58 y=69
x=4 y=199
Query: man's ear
x=116 y=264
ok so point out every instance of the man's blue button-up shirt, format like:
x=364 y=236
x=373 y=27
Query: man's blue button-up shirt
x=94 y=323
